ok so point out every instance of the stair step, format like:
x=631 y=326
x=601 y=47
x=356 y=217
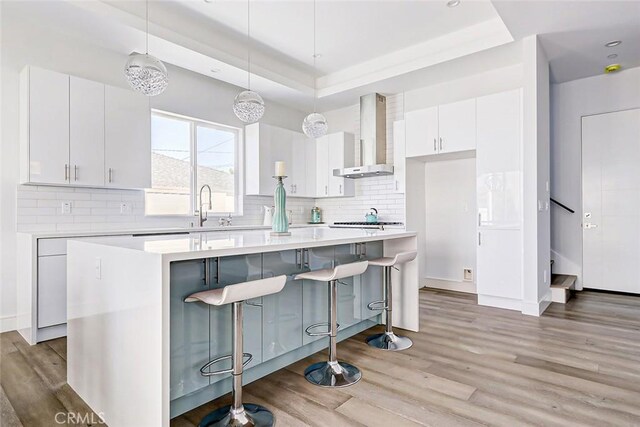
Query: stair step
x=562 y=286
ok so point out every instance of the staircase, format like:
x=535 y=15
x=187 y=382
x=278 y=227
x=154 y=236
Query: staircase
x=562 y=287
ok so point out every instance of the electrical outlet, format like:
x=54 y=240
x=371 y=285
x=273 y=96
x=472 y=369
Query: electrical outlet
x=66 y=208
x=544 y=277
x=468 y=275
x=125 y=208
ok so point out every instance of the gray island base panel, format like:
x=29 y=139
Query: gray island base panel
x=133 y=343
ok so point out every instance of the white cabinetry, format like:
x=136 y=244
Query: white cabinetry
x=52 y=290
x=422 y=132
x=265 y=145
x=82 y=133
x=127 y=155
x=44 y=123
x=448 y=128
x=335 y=151
x=399 y=156
x=499 y=201
x=86 y=135
x=322 y=166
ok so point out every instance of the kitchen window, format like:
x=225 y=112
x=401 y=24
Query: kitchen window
x=186 y=154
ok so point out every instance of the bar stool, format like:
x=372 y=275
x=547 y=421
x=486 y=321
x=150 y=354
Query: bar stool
x=388 y=340
x=332 y=373
x=237 y=414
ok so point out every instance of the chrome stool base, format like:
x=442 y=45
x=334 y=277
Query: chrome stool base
x=389 y=341
x=251 y=416
x=332 y=374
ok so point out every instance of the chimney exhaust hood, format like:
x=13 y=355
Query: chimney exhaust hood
x=373 y=140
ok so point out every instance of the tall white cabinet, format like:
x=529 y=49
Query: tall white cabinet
x=78 y=132
x=499 y=199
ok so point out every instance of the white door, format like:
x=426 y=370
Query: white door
x=52 y=290
x=322 y=166
x=499 y=270
x=611 y=201
x=457 y=126
x=86 y=133
x=422 y=132
x=127 y=139
x=399 y=156
x=48 y=127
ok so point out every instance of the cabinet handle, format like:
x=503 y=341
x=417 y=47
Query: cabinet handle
x=66 y=172
x=326 y=190
x=295 y=188
x=207 y=272
x=110 y=175
x=435 y=145
x=479 y=238
x=340 y=188
x=75 y=172
x=440 y=143
x=396 y=185
x=479 y=219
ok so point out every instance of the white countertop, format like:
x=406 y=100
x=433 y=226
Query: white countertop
x=168 y=230
x=237 y=242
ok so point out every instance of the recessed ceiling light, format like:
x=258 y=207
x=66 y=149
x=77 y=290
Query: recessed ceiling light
x=612 y=56
x=613 y=43
x=453 y=3
x=612 y=68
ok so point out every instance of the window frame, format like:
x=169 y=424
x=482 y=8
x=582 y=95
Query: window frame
x=238 y=182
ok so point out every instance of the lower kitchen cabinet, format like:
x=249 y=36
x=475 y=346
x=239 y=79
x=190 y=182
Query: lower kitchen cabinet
x=315 y=295
x=282 y=312
x=371 y=280
x=349 y=303
x=52 y=290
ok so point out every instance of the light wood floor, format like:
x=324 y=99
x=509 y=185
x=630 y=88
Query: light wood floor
x=577 y=365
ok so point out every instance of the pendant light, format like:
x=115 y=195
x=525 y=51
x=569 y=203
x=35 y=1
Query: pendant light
x=315 y=124
x=145 y=73
x=248 y=105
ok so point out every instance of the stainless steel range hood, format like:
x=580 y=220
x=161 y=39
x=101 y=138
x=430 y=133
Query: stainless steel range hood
x=373 y=140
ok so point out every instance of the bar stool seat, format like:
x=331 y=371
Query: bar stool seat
x=388 y=340
x=332 y=373
x=237 y=414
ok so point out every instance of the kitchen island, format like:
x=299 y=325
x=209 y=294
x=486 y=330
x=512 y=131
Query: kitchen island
x=135 y=348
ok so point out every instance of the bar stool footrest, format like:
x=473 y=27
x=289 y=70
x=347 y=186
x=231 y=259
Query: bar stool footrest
x=377 y=305
x=319 y=334
x=205 y=373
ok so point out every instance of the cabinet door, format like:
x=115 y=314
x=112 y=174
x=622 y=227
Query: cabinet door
x=457 y=126
x=422 y=132
x=499 y=263
x=371 y=280
x=298 y=165
x=127 y=139
x=322 y=166
x=399 y=156
x=282 y=312
x=315 y=295
x=86 y=134
x=48 y=127
x=311 y=172
x=349 y=291
x=189 y=328
x=341 y=155
x=498 y=159
x=52 y=290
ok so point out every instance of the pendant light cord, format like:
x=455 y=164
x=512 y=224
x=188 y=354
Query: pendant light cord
x=315 y=71
x=249 y=44
x=147 y=26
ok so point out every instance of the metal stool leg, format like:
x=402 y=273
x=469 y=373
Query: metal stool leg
x=388 y=340
x=333 y=373
x=238 y=414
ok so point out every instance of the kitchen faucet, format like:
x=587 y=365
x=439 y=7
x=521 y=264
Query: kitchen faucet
x=204 y=218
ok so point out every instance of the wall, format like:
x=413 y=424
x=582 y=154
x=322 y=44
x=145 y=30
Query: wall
x=28 y=208
x=571 y=101
x=450 y=221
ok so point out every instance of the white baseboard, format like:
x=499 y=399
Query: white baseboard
x=537 y=308
x=451 y=285
x=8 y=323
x=500 y=302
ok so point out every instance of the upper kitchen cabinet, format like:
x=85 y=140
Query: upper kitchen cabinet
x=448 y=128
x=334 y=151
x=399 y=156
x=422 y=132
x=82 y=133
x=44 y=123
x=498 y=164
x=86 y=136
x=127 y=154
x=265 y=145
x=457 y=126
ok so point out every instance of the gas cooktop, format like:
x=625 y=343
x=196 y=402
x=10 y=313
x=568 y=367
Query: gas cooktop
x=367 y=223
x=363 y=224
